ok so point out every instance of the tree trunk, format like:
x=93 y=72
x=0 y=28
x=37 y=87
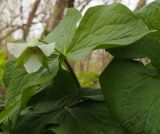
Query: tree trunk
x=70 y=3
x=57 y=14
x=140 y=4
x=30 y=19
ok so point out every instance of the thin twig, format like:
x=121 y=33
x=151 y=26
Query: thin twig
x=83 y=6
x=8 y=34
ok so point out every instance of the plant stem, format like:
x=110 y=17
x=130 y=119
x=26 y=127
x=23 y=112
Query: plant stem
x=72 y=73
x=69 y=68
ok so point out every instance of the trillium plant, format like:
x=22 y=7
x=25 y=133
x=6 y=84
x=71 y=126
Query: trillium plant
x=32 y=54
x=44 y=95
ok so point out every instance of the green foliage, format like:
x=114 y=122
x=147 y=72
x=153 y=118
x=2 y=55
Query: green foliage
x=88 y=79
x=50 y=112
x=131 y=89
x=98 y=28
x=106 y=26
x=17 y=79
x=149 y=46
x=50 y=101
x=64 y=32
x=2 y=63
x=132 y=94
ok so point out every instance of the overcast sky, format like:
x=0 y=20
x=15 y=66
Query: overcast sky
x=129 y=3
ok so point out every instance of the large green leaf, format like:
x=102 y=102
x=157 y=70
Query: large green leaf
x=62 y=108
x=64 y=32
x=149 y=46
x=106 y=26
x=88 y=118
x=70 y=114
x=132 y=93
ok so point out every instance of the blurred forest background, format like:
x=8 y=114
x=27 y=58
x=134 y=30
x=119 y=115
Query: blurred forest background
x=28 y=19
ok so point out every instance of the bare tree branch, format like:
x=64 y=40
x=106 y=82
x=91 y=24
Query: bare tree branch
x=85 y=4
x=81 y=4
x=30 y=19
x=8 y=34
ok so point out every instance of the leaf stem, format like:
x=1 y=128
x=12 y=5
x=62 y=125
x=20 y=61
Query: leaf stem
x=68 y=66
x=72 y=72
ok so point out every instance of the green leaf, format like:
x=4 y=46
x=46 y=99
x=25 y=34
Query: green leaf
x=92 y=94
x=51 y=109
x=21 y=85
x=22 y=98
x=132 y=94
x=106 y=26
x=64 y=32
x=68 y=114
x=17 y=80
x=4 y=115
x=88 y=118
x=45 y=105
x=149 y=46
